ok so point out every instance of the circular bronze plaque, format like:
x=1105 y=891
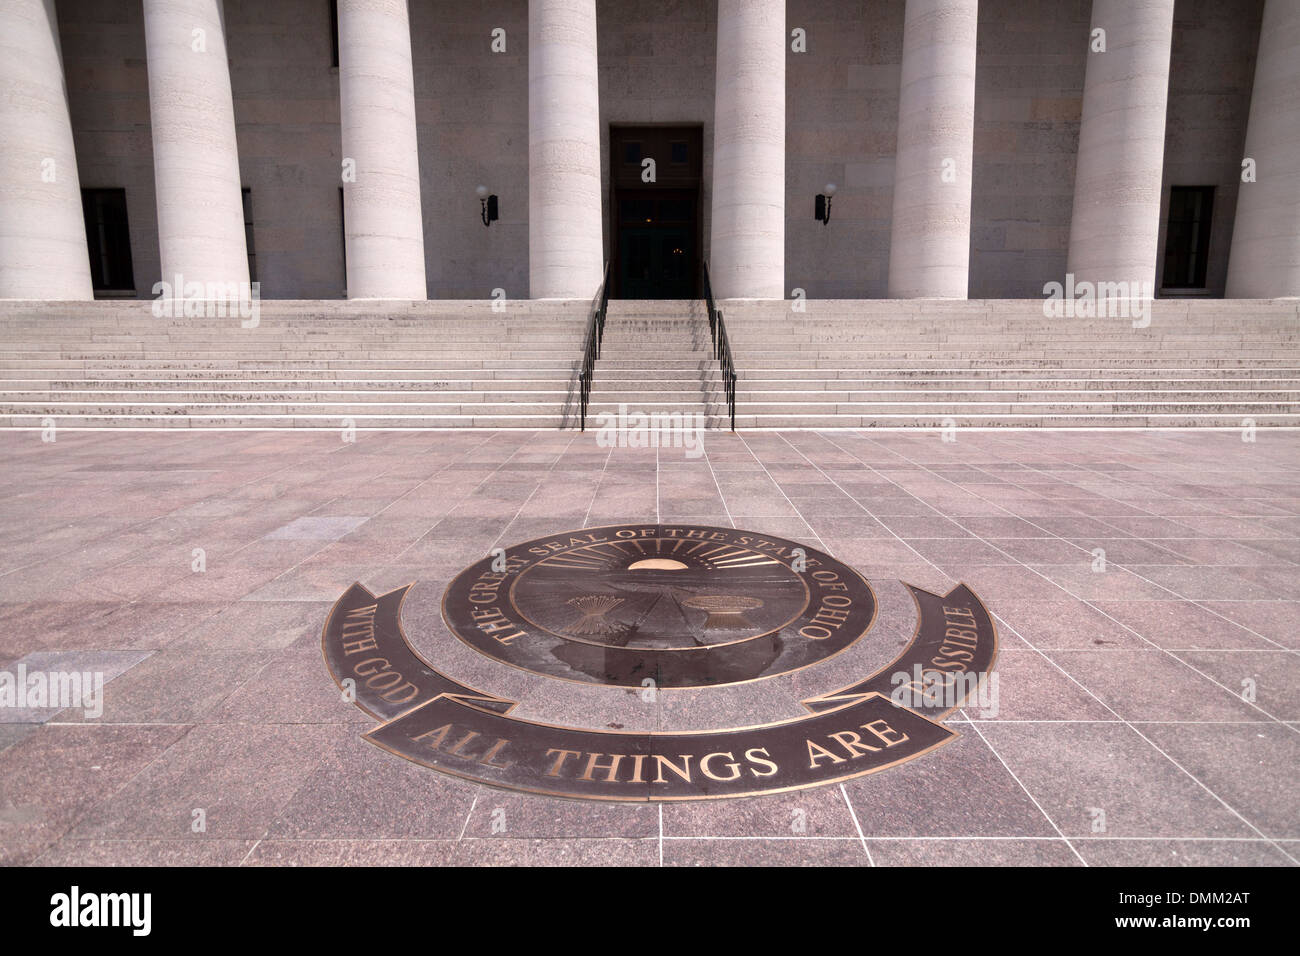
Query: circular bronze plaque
x=676 y=605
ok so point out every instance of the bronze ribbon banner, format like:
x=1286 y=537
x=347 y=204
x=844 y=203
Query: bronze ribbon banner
x=364 y=644
x=954 y=645
x=452 y=735
x=435 y=721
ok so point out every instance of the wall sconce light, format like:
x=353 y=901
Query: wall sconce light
x=488 y=205
x=822 y=210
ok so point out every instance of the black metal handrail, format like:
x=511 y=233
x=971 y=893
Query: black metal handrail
x=721 y=348
x=591 y=347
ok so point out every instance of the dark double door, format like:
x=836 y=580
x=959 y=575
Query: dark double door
x=656 y=225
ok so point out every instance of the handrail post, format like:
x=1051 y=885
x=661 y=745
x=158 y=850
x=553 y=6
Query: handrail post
x=591 y=348
x=721 y=347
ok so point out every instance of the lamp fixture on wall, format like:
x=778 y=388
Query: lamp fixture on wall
x=822 y=210
x=488 y=205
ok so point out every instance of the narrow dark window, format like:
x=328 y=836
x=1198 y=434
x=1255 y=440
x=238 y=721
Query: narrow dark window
x=679 y=154
x=1187 y=240
x=343 y=239
x=247 y=195
x=108 y=240
x=334 y=32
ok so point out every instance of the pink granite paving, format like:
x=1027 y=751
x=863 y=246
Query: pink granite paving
x=1146 y=714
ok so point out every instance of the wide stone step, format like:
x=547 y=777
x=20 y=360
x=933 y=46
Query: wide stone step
x=287 y=358
x=801 y=378
x=550 y=404
x=1015 y=420
x=1032 y=373
x=350 y=364
x=479 y=404
x=648 y=368
x=715 y=421
x=128 y=397
x=127 y=378
x=1231 y=396
x=1077 y=362
x=805 y=378
x=668 y=392
x=810 y=403
x=542 y=419
x=140 y=389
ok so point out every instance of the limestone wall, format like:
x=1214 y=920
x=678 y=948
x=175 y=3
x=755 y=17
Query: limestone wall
x=657 y=66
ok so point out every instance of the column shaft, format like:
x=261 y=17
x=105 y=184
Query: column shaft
x=1115 y=228
x=1265 y=258
x=42 y=228
x=195 y=156
x=383 y=219
x=929 y=250
x=565 y=243
x=747 y=244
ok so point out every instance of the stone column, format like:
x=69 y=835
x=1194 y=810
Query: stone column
x=195 y=156
x=1265 y=258
x=747 y=245
x=382 y=217
x=42 y=228
x=566 y=250
x=929 y=249
x=1115 y=228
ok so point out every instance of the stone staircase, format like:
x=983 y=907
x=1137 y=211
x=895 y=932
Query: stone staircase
x=839 y=364
x=657 y=358
x=994 y=363
x=307 y=364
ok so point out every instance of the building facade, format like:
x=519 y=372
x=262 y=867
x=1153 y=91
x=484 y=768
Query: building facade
x=330 y=148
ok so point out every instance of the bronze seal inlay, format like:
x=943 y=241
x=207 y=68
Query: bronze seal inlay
x=438 y=722
x=675 y=605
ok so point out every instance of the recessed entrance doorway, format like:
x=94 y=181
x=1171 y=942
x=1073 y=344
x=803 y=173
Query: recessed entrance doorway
x=656 y=235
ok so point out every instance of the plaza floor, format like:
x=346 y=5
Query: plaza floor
x=1144 y=585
